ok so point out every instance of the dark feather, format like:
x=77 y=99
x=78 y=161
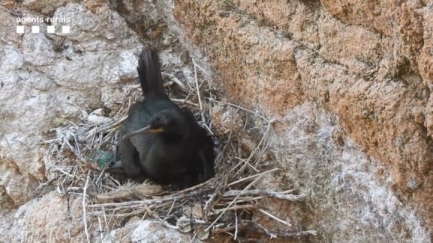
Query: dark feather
x=182 y=154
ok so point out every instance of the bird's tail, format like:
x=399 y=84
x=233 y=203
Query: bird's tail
x=149 y=71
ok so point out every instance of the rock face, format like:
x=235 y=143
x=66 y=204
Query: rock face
x=367 y=63
x=349 y=83
x=49 y=218
x=47 y=81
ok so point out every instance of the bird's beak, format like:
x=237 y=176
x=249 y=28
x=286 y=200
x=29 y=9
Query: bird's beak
x=156 y=130
x=143 y=130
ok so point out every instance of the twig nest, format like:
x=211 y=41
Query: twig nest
x=226 y=119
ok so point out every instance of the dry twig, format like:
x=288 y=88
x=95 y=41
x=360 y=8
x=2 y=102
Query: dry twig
x=86 y=230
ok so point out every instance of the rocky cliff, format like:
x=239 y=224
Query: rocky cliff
x=347 y=82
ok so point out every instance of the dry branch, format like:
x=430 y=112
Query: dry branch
x=267 y=193
x=255 y=227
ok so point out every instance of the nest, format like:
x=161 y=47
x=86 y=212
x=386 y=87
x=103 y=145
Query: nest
x=223 y=205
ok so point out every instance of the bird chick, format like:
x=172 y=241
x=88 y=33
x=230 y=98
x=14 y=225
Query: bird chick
x=161 y=141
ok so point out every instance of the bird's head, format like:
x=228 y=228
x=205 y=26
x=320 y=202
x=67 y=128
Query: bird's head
x=164 y=122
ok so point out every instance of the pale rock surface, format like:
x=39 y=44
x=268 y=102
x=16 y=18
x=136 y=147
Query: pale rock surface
x=152 y=231
x=342 y=182
x=52 y=218
x=45 y=83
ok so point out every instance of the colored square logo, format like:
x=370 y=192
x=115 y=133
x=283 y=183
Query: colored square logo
x=51 y=29
x=35 y=29
x=20 y=29
x=66 y=29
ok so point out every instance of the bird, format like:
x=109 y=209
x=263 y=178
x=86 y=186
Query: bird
x=161 y=141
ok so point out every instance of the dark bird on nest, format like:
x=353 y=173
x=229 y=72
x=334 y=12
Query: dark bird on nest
x=161 y=141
